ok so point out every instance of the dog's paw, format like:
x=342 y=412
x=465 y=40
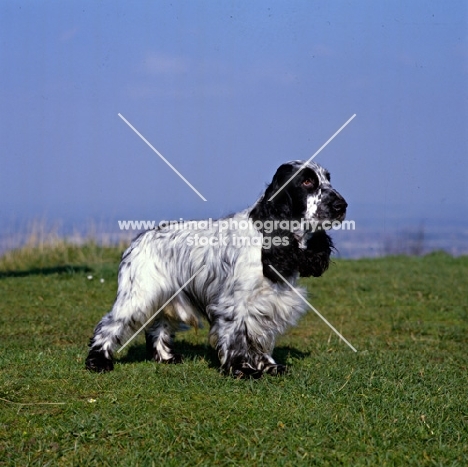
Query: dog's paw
x=98 y=362
x=275 y=370
x=245 y=371
x=175 y=359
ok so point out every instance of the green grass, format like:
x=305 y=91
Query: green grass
x=401 y=400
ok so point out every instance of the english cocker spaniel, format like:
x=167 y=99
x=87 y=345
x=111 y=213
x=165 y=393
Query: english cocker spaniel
x=235 y=272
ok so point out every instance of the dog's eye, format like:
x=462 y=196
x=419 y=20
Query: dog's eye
x=307 y=182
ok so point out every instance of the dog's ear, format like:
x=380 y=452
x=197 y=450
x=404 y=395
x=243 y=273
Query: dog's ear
x=280 y=207
x=281 y=251
x=315 y=259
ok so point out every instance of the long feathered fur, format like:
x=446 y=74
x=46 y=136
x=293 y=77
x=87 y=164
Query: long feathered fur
x=232 y=285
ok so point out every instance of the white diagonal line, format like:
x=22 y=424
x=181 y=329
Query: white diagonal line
x=152 y=317
x=162 y=157
x=305 y=163
x=312 y=308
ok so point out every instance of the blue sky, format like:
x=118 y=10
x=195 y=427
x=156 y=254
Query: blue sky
x=227 y=91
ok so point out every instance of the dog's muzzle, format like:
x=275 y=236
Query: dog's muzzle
x=335 y=204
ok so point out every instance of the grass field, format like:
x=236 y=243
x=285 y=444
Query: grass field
x=400 y=400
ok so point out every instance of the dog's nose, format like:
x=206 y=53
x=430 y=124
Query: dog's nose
x=339 y=205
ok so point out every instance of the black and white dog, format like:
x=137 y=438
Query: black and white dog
x=232 y=272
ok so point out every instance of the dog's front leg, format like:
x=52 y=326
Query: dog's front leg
x=240 y=353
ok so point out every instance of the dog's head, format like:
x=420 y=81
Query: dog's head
x=301 y=191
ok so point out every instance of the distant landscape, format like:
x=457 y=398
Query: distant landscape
x=379 y=232
x=370 y=242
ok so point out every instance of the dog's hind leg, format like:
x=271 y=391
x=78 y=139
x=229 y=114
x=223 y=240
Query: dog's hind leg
x=159 y=339
x=177 y=315
x=138 y=296
x=114 y=330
